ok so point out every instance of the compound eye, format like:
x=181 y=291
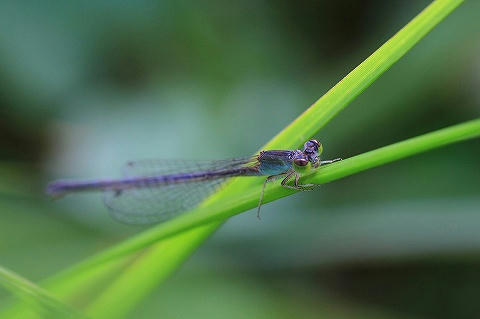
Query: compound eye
x=312 y=144
x=317 y=143
x=300 y=161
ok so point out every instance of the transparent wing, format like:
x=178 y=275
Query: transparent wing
x=157 y=167
x=157 y=203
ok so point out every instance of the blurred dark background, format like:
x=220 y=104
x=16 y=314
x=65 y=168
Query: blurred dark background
x=87 y=86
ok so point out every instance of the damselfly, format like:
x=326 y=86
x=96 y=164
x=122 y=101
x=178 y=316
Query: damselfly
x=156 y=190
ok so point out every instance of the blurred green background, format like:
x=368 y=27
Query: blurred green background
x=87 y=86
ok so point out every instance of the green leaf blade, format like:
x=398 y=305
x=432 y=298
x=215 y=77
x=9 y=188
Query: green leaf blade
x=243 y=194
x=43 y=304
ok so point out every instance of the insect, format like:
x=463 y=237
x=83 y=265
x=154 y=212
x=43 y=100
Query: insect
x=155 y=190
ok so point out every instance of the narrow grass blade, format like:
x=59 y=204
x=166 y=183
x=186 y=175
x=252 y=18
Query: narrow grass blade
x=186 y=230
x=338 y=97
x=44 y=305
x=145 y=273
x=249 y=198
x=76 y=290
x=242 y=194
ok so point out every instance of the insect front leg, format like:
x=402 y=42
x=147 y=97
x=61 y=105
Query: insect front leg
x=330 y=161
x=287 y=178
x=296 y=186
x=304 y=187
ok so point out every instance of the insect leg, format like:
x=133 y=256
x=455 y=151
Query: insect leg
x=330 y=161
x=296 y=186
x=268 y=179
x=287 y=178
x=304 y=187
